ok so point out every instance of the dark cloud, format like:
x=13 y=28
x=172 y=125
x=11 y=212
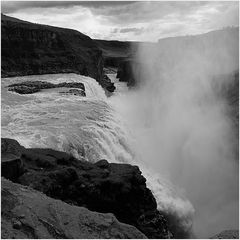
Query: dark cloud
x=131 y=20
x=13 y=6
x=138 y=12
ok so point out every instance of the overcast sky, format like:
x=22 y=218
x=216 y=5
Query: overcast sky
x=141 y=21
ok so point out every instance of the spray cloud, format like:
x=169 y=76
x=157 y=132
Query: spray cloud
x=181 y=122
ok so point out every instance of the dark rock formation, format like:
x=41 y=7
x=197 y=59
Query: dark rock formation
x=103 y=187
x=29 y=48
x=116 y=52
x=113 y=61
x=129 y=71
x=26 y=213
x=227 y=234
x=116 y=49
x=29 y=87
x=11 y=162
x=108 y=84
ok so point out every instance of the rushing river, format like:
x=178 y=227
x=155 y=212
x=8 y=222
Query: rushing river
x=87 y=127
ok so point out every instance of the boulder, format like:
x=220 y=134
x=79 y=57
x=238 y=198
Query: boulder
x=11 y=162
x=103 y=187
x=26 y=213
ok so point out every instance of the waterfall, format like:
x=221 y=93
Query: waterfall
x=89 y=128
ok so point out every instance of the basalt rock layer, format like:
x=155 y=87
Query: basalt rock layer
x=33 y=49
x=103 y=187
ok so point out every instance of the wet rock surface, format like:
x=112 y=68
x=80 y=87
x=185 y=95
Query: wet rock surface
x=103 y=187
x=30 y=87
x=108 y=84
x=27 y=213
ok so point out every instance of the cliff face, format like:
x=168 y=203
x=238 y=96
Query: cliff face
x=29 y=48
x=103 y=187
x=115 y=52
x=128 y=71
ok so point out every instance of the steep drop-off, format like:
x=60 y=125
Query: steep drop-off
x=103 y=187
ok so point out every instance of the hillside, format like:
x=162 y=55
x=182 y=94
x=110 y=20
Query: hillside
x=29 y=48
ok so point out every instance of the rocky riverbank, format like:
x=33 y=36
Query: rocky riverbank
x=104 y=187
x=34 y=49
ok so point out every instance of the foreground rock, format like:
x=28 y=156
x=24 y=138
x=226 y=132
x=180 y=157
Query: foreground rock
x=11 y=162
x=227 y=234
x=30 y=87
x=27 y=213
x=103 y=187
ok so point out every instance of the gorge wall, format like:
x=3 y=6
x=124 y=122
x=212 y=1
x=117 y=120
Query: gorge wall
x=29 y=49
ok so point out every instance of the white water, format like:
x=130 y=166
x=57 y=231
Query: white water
x=87 y=127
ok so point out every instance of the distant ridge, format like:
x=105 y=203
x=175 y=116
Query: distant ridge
x=29 y=48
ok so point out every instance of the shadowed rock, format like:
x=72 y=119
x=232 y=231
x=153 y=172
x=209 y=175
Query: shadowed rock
x=29 y=87
x=26 y=213
x=11 y=162
x=103 y=187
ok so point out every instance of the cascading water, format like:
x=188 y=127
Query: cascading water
x=88 y=127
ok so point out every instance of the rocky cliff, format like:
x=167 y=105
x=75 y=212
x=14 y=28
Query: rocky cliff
x=129 y=71
x=114 y=52
x=29 y=48
x=103 y=187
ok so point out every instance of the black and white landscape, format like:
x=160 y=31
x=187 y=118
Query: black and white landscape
x=119 y=119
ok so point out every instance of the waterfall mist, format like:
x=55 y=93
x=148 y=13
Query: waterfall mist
x=182 y=126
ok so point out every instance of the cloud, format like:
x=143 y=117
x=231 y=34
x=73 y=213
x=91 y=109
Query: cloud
x=141 y=21
x=134 y=30
x=13 y=6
